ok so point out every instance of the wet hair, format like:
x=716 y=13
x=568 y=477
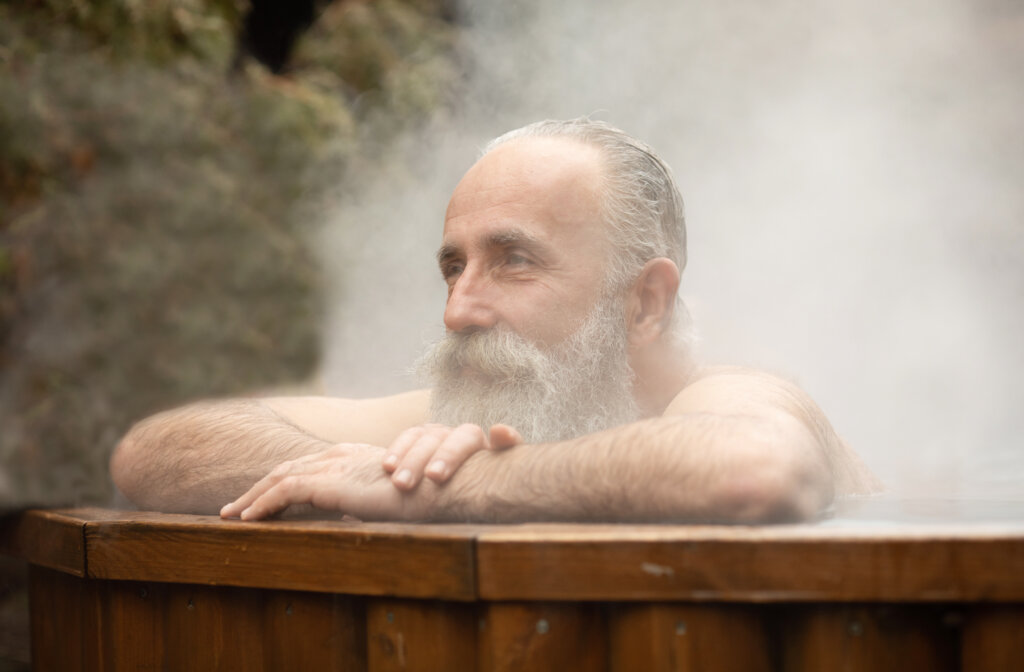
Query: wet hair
x=642 y=207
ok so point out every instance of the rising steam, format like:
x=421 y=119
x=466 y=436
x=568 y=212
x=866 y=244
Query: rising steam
x=853 y=177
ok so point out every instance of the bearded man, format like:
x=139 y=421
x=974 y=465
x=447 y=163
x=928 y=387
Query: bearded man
x=564 y=389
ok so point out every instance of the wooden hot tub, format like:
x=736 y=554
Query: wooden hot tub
x=119 y=590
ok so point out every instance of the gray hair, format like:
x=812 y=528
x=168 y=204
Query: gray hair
x=642 y=207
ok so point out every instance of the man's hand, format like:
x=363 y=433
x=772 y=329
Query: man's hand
x=437 y=451
x=346 y=477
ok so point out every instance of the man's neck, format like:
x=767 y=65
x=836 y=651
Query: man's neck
x=662 y=370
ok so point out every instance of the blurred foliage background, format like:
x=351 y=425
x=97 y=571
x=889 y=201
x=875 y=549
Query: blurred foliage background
x=163 y=166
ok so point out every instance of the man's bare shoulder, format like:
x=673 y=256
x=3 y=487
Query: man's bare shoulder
x=376 y=421
x=736 y=390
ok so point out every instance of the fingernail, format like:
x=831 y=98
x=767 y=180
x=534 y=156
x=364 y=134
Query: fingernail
x=436 y=468
x=391 y=461
x=404 y=477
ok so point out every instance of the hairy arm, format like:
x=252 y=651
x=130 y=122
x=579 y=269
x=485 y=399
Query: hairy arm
x=661 y=469
x=198 y=457
x=733 y=446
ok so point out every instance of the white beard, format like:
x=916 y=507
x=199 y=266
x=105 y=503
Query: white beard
x=580 y=386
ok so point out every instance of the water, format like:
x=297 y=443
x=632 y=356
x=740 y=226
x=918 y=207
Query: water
x=901 y=512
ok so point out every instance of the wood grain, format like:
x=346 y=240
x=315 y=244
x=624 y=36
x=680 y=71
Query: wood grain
x=993 y=639
x=63 y=620
x=153 y=591
x=533 y=562
x=129 y=622
x=686 y=637
x=868 y=638
x=556 y=637
x=326 y=557
x=420 y=636
x=213 y=628
x=311 y=631
x=785 y=564
x=51 y=539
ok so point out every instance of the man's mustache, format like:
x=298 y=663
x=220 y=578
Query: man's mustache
x=495 y=353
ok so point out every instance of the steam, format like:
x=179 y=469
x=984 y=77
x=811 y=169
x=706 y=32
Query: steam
x=852 y=173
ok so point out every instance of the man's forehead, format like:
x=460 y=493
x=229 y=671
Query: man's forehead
x=554 y=179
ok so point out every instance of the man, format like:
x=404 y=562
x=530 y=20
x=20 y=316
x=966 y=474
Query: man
x=564 y=390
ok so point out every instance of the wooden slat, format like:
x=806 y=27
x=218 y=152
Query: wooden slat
x=354 y=558
x=213 y=628
x=415 y=635
x=88 y=624
x=858 y=638
x=687 y=637
x=63 y=626
x=45 y=538
x=311 y=631
x=782 y=564
x=129 y=623
x=993 y=638
x=543 y=637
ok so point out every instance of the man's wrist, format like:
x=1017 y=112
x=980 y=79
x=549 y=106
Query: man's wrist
x=466 y=496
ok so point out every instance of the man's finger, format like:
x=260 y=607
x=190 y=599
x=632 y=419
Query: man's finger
x=409 y=472
x=316 y=490
x=236 y=507
x=289 y=490
x=400 y=446
x=504 y=436
x=305 y=464
x=456 y=449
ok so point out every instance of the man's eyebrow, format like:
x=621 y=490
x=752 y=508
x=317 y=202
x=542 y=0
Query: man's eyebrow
x=512 y=237
x=506 y=238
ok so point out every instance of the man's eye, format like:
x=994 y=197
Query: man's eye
x=514 y=259
x=449 y=271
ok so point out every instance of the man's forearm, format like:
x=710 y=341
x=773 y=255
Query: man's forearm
x=197 y=458
x=696 y=468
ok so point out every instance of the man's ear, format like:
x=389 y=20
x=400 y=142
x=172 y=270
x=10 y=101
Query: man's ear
x=652 y=300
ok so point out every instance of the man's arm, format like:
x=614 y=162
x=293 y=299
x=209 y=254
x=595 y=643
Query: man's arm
x=198 y=457
x=734 y=446
x=738 y=391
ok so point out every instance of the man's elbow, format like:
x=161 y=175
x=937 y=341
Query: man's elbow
x=136 y=465
x=126 y=466
x=782 y=489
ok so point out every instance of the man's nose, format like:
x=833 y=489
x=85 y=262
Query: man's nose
x=469 y=305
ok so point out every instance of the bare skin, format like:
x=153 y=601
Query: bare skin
x=522 y=249
x=436 y=451
x=734 y=447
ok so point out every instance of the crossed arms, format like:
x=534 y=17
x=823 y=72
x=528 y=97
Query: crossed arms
x=733 y=446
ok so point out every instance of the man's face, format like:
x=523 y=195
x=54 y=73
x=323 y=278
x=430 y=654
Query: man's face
x=534 y=339
x=524 y=247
